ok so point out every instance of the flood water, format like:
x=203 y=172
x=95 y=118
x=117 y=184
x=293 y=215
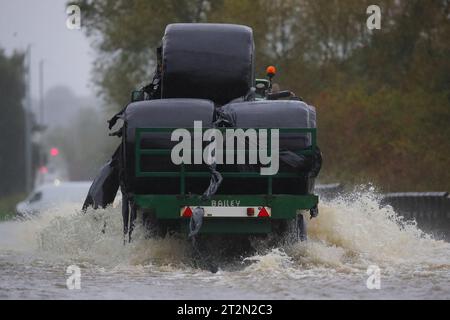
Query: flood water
x=350 y=235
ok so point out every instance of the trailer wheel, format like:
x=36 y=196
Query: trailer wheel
x=290 y=231
x=302 y=233
x=153 y=227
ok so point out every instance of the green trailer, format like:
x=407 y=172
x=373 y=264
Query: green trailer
x=245 y=214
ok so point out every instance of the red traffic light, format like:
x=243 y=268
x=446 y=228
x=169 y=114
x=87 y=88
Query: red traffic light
x=54 y=152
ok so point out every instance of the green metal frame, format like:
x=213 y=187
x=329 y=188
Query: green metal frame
x=167 y=207
x=283 y=206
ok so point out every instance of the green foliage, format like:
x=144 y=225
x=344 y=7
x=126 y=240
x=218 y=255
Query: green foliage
x=8 y=206
x=383 y=96
x=126 y=34
x=396 y=139
x=12 y=122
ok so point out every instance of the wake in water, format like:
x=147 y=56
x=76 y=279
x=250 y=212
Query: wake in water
x=355 y=231
x=351 y=233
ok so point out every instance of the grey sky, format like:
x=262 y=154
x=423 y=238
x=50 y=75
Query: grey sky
x=42 y=23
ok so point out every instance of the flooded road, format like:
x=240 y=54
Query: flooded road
x=349 y=236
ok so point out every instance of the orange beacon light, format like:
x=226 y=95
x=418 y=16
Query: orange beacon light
x=271 y=71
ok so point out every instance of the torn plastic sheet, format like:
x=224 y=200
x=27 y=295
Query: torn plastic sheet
x=105 y=186
x=196 y=222
x=216 y=181
x=311 y=164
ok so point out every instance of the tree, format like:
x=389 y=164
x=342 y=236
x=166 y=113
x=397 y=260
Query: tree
x=12 y=122
x=127 y=34
x=383 y=96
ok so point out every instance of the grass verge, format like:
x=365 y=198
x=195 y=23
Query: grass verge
x=8 y=206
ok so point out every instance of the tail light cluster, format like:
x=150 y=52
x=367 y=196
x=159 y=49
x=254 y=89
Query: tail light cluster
x=259 y=212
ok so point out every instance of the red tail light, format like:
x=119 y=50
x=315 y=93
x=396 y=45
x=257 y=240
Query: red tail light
x=263 y=213
x=250 y=212
x=187 y=213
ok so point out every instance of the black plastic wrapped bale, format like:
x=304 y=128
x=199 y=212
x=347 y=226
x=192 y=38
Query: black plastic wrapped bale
x=166 y=113
x=207 y=61
x=272 y=114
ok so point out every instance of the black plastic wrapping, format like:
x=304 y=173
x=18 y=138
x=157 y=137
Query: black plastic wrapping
x=274 y=114
x=105 y=186
x=207 y=61
x=166 y=113
x=214 y=184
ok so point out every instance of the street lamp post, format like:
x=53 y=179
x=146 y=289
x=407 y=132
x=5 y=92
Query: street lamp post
x=27 y=108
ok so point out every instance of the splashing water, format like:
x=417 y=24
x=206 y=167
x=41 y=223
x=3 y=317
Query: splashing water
x=96 y=238
x=351 y=233
x=361 y=231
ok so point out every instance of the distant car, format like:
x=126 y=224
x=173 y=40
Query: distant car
x=50 y=196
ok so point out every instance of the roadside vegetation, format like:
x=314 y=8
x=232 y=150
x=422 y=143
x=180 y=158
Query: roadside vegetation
x=383 y=96
x=12 y=178
x=8 y=206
